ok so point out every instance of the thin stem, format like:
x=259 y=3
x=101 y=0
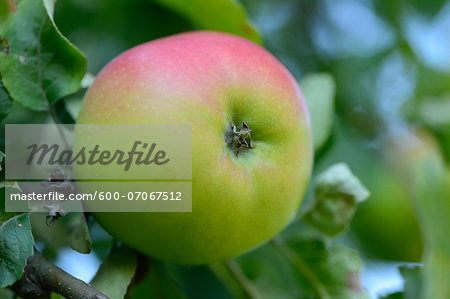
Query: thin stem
x=243 y=280
x=303 y=269
x=234 y=278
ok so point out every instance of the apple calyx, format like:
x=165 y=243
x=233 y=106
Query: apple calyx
x=239 y=139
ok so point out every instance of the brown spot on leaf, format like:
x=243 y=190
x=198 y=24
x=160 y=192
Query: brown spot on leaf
x=246 y=29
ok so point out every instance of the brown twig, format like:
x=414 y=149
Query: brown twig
x=41 y=277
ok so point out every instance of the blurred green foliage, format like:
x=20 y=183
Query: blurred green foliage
x=388 y=66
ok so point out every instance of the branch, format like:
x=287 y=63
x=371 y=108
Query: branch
x=41 y=277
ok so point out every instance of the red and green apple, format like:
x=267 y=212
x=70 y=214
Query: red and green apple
x=242 y=194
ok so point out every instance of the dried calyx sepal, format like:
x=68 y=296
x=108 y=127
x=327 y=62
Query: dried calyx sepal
x=239 y=139
x=57 y=182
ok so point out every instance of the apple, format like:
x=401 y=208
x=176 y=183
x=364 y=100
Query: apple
x=243 y=193
x=388 y=224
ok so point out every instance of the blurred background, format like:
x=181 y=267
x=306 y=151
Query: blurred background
x=391 y=64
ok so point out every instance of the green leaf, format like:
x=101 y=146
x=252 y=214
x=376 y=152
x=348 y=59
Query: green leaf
x=302 y=263
x=163 y=286
x=16 y=245
x=323 y=271
x=231 y=274
x=413 y=282
x=271 y=273
x=50 y=7
x=4 y=216
x=103 y=242
x=336 y=195
x=79 y=238
x=41 y=65
x=116 y=272
x=220 y=15
x=198 y=282
x=5 y=101
x=157 y=284
x=319 y=91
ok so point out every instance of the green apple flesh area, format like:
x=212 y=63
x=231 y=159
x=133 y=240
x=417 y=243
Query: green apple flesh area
x=211 y=80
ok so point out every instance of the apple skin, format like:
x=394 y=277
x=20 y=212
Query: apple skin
x=209 y=80
x=388 y=224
